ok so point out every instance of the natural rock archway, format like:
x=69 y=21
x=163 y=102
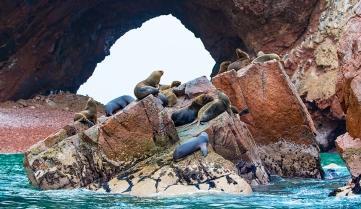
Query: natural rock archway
x=55 y=45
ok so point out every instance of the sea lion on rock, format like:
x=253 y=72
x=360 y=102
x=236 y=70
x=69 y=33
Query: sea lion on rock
x=149 y=85
x=173 y=84
x=223 y=67
x=243 y=112
x=117 y=104
x=215 y=108
x=189 y=114
x=192 y=145
x=89 y=114
x=171 y=97
x=163 y=98
x=242 y=60
x=262 y=57
x=234 y=109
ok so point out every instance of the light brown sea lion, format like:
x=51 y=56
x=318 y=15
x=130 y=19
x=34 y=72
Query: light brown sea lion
x=173 y=84
x=171 y=97
x=242 y=60
x=149 y=85
x=223 y=67
x=189 y=114
x=262 y=57
x=89 y=114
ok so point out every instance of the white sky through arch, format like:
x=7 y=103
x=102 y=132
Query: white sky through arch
x=160 y=43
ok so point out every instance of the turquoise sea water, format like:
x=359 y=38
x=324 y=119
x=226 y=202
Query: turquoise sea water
x=15 y=192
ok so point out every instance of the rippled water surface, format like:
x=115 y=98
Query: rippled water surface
x=15 y=192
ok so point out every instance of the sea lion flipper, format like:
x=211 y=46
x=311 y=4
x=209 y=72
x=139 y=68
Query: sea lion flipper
x=204 y=149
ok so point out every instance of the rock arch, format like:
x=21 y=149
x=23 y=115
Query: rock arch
x=55 y=45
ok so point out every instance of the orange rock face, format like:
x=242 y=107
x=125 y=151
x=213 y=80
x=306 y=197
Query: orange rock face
x=280 y=122
x=353 y=116
x=137 y=132
x=350 y=149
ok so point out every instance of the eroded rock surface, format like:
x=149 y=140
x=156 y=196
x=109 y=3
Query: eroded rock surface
x=350 y=150
x=278 y=119
x=76 y=156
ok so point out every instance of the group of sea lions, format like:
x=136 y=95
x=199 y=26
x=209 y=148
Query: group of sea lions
x=243 y=59
x=202 y=109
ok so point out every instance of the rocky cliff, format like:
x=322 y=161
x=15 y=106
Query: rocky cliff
x=56 y=45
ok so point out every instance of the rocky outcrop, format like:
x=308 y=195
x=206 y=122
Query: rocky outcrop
x=319 y=65
x=278 y=119
x=48 y=46
x=162 y=177
x=118 y=155
x=350 y=150
x=75 y=157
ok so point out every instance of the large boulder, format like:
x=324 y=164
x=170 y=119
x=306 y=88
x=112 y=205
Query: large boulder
x=161 y=176
x=350 y=150
x=76 y=156
x=138 y=132
x=278 y=119
x=231 y=139
x=228 y=136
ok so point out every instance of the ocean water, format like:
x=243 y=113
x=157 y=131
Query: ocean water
x=16 y=192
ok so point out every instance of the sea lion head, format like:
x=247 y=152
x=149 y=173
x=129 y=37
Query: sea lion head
x=91 y=104
x=241 y=55
x=203 y=136
x=203 y=99
x=175 y=84
x=225 y=64
x=224 y=98
x=154 y=78
x=260 y=53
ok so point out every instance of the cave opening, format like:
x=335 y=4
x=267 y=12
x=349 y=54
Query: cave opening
x=161 y=43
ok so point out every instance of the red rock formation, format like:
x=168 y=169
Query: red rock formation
x=56 y=45
x=120 y=155
x=280 y=122
x=137 y=131
x=350 y=150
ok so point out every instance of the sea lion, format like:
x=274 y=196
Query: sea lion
x=173 y=84
x=189 y=114
x=234 y=109
x=149 y=85
x=243 y=112
x=223 y=67
x=89 y=114
x=117 y=104
x=262 y=57
x=192 y=145
x=163 y=98
x=171 y=97
x=215 y=108
x=242 y=60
